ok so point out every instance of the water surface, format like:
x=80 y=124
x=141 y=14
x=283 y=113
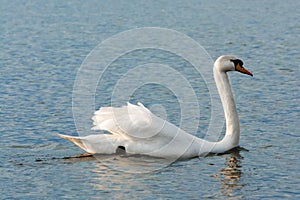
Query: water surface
x=43 y=45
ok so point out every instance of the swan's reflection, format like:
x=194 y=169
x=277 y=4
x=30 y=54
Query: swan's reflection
x=136 y=164
x=117 y=176
x=231 y=175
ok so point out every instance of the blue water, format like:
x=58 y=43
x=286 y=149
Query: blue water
x=43 y=45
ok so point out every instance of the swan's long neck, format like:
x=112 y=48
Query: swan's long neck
x=232 y=135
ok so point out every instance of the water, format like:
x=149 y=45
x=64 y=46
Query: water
x=43 y=45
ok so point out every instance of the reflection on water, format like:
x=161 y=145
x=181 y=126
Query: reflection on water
x=230 y=176
x=133 y=163
x=137 y=164
x=110 y=181
x=115 y=175
x=79 y=158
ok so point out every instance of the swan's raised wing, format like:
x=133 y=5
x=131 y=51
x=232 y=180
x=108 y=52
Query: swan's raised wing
x=131 y=121
x=142 y=132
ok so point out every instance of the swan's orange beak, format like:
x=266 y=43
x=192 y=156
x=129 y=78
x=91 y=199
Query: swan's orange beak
x=243 y=70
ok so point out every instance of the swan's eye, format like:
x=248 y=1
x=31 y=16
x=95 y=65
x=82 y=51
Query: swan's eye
x=238 y=65
x=237 y=62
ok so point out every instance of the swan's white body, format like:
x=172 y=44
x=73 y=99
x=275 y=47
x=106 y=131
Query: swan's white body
x=138 y=131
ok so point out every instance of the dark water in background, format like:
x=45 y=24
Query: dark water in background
x=43 y=45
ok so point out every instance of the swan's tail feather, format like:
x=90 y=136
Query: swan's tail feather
x=100 y=143
x=75 y=140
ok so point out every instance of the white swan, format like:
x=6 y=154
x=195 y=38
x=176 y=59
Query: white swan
x=138 y=131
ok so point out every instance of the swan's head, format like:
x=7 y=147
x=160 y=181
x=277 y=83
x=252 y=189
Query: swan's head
x=230 y=63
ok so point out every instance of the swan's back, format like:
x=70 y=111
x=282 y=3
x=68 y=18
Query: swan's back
x=143 y=132
x=131 y=121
